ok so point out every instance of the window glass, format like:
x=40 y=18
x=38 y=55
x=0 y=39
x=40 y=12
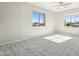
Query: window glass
x=71 y=20
x=38 y=18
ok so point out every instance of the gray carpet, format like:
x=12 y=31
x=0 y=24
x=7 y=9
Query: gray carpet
x=41 y=47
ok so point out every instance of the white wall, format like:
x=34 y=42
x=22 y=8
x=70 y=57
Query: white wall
x=16 y=22
x=59 y=22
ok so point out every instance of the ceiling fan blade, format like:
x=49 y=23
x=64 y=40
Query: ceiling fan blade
x=67 y=4
x=62 y=5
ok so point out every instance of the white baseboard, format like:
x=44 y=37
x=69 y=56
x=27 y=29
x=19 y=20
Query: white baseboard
x=12 y=41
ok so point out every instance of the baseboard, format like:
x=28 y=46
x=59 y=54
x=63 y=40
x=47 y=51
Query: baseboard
x=7 y=42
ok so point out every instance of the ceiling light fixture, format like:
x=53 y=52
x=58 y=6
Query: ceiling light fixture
x=62 y=5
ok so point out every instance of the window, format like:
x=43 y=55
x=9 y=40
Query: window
x=71 y=20
x=38 y=18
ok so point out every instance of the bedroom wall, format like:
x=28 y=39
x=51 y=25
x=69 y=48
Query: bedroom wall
x=16 y=22
x=59 y=22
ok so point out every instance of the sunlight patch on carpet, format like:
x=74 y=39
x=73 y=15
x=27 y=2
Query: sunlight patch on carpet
x=58 y=38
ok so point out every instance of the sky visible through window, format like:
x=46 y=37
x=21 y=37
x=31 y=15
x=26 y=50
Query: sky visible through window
x=37 y=17
x=72 y=18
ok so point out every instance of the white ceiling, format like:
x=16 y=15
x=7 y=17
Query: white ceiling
x=50 y=6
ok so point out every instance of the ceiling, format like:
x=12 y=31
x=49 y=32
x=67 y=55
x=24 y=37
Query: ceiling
x=50 y=6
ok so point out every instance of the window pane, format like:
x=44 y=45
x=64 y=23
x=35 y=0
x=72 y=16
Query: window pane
x=41 y=21
x=71 y=20
x=42 y=15
x=35 y=14
x=67 y=18
x=75 y=18
x=38 y=18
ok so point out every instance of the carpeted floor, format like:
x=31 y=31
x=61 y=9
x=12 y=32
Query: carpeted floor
x=41 y=47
